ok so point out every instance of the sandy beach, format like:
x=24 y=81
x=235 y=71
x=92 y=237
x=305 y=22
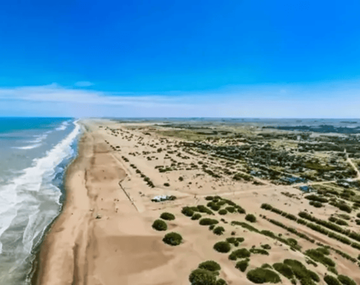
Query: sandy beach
x=104 y=236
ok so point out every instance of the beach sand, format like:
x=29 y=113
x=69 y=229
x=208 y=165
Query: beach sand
x=104 y=236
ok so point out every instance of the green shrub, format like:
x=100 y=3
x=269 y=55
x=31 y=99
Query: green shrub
x=266 y=246
x=261 y=275
x=220 y=282
x=166 y=184
x=202 y=277
x=234 y=240
x=222 y=212
x=208 y=222
x=250 y=218
x=298 y=268
x=230 y=209
x=323 y=250
x=187 y=211
x=345 y=280
x=239 y=253
x=210 y=265
x=211 y=227
x=203 y=209
x=167 y=216
x=209 y=198
x=316 y=204
x=242 y=265
x=196 y=216
x=259 y=251
x=345 y=208
x=222 y=246
x=313 y=276
x=159 y=225
x=266 y=265
x=332 y=270
x=284 y=270
x=319 y=257
x=172 y=239
x=331 y=280
x=219 y=231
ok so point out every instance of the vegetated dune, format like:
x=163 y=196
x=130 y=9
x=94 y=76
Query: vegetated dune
x=105 y=233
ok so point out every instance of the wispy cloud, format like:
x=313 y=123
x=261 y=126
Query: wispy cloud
x=325 y=100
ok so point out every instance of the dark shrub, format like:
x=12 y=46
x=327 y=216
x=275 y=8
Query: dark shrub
x=211 y=227
x=266 y=246
x=345 y=207
x=210 y=265
x=220 y=282
x=187 y=211
x=172 y=238
x=331 y=280
x=261 y=275
x=242 y=265
x=196 y=216
x=319 y=257
x=208 y=222
x=259 y=251
x=251 y=218
x=323 y=250
x=202 y=277
x=316 y=204
x=298 y=268
x=346 y=280
x=230 y=209
x=214 y=207
x=219 y=231
x=332 y=269
x=266 y=265
x=166 y=184
x=159 y=225
x=239 y=253
x=203 y=209
x=222 y=246
x=167 y=216
x=209 y=198
x=284 y=270
x=222 y=212
x=313 y=276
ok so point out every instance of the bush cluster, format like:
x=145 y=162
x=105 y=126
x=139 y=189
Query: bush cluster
x=172 y=239
x=242 y=265
x=159 y=225
x=318 y=256
x=345 y=280
x=331 y=226
x=167 y=216
x=222 y=246
x=284 y=270
x=210 y=265
x=250 y=218
x=338 y=221
x=196 y=216
x=259 y=251
x=239 y=253
x=222 y=212
x=235 y=240
x=331 y=280
x=208 y=222
x=219 y=231
x=318 y=228
x=263 y=275
x=316 y=198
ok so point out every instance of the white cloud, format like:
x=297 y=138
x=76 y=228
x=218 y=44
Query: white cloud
x=335 y=100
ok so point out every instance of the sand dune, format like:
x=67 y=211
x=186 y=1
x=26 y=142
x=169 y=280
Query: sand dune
x=104 y=235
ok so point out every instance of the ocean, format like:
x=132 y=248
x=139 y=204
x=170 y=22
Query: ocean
x=34 y=153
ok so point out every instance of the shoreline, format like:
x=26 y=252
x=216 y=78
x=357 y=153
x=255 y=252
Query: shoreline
x=32 y=276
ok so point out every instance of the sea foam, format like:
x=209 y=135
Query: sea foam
x=21 y=197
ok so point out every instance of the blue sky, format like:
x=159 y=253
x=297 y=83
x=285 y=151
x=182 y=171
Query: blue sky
x=180 y=58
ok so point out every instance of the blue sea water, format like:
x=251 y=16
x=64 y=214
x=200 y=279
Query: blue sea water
x=34 y=153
